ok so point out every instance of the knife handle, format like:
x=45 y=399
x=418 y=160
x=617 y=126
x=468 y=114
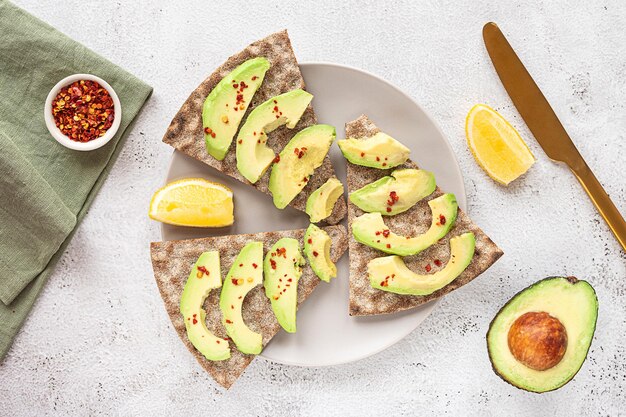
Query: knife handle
x=602 y=201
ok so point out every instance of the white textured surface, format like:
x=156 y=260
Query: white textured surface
x=99 y=341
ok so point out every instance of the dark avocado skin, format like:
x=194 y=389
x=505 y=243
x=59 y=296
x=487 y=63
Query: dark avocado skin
x=573 y=281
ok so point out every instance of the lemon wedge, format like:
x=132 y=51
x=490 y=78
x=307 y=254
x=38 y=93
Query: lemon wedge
x=193 y=202
x=496 y=145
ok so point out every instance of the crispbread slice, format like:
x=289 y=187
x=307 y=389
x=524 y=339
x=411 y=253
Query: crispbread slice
x=365 y=300
x=172 y=261
x=186 y=135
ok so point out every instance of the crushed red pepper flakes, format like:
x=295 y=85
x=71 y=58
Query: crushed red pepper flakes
x=234 y=281
x=386 y=233
x=437 y=262
x=442 y=219
x=254 y=266
x=277 y=159
x=273 y=263
x=228 y=321
x=202 y=271
x=388 y=246
x=83 y=110
x=310 y=241
x=315 y=253
x=428 y=268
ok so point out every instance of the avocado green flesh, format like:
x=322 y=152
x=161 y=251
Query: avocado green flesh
x=408 y=186
x=226 y=104
x=574 y=304
x=253 y=155
x=370 y=229
x=304 y=153
x=317 y=250
x=283 y=268
x=196 y=290
x=379 y=151
x=390 y=273
x=242 y=277
x=321 y=202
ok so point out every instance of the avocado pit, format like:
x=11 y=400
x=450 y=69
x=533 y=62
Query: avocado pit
x=538 y=340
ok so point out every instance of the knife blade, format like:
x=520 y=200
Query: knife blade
x=546 y=126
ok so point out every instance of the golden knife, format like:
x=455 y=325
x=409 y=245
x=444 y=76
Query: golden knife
x=545 y=126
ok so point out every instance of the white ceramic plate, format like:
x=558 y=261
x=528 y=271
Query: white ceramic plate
x=326 y=334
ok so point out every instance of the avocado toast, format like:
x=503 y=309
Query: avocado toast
x=364 y=298
x=187 y=134
x=173 y=260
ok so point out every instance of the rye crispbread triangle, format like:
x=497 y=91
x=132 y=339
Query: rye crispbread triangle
x=365 y=300
x=172 y=261
x=186 y=135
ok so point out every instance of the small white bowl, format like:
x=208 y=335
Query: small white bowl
x=63 y=139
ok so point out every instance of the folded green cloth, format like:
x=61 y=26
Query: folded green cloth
x=45 y=188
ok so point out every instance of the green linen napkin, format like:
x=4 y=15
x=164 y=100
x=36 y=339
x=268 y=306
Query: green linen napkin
x=45 y=188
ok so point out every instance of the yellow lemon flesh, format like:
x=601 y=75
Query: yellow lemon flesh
x=496 y=145
x=193 y=202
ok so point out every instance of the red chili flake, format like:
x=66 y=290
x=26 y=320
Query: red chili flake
x=315 y=253
x=240 y=265
x=232 y=307
x=388 y=246
x=378 y=232
x=207 y=130
x=393 y=198
x=277 y=159
x=254 y=133
x=378 y=158
x=384 y=164
x=275 y=108
x=203 y=270
x=437 y=262
x=362 y=154
x=254 y=77
x=386 y=232
x=289 y=280
x=300 y=152
x=428 y=268
x=254 y=266
x=273 y=263
x=228 y=321
x=234 y=281
x=235 y=85
x=217 y=341
x=310 y=241
x=194 y=319
x=442 y=219
x=213 y=135
x=240 y=141
x=388 y=209
x=305 y=179
x=275 y=102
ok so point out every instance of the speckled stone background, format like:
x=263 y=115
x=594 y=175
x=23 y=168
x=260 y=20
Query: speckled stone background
x=99 y=342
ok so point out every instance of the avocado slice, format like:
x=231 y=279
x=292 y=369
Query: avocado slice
x=253 y=155
x=320 y=203
x=539 y=340
x=226 y=104
x=283 y=268
x=297 y=161
x=245 y=274
x=394 y=194
x=204 y=276
x=390 y=274
x=370 y=229
x=379 y=151
x=317 y=250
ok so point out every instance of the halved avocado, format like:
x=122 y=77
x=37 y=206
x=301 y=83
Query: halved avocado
x=204 y=276
x=253 y=155
x=321 y=202
x=394 y=194
x=370 y=229
x=283 y=269
x=379 y=151
x=226 y=104
x=317 y=250
x=390 y=273
x=297 y=161
x=539 y=340
x=245 y=274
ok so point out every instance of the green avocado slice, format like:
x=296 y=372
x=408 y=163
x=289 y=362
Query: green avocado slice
x=379 y=151
x=394 y=194
x=573 y=303
x=226 y=104
x=295 y=164
x=317 y=250
x=283 y=268
x=245 y=274
x=390 y=273
x=321 y=202
x=370 y=229
x=253 y=155
x=204 y=276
